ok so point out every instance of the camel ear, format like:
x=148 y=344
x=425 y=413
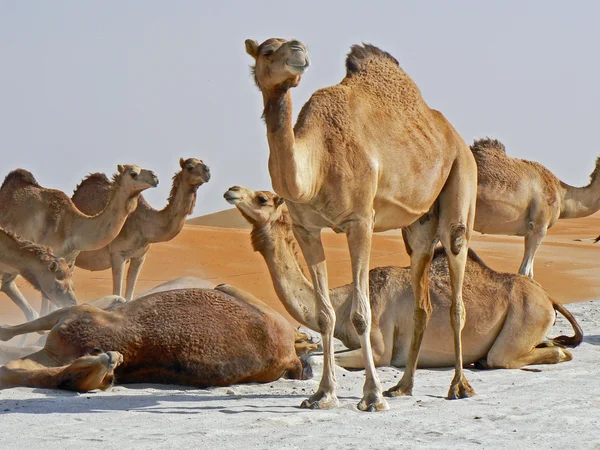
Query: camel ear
x=121 y=168
x=279 y=201
x=182 y=163
x=252 y=48
x=53 y=266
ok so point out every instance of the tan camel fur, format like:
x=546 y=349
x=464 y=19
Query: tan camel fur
x=508 y=315
x=49 y=217
x=143 y=227
x=174 y=337
x=368 y=155
x=523 y=198
x=38 y=265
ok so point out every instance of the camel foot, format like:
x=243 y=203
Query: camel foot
x=402 y=388
x=460 y=389
x=373 y=402
x=321 y=400
x=5 y=334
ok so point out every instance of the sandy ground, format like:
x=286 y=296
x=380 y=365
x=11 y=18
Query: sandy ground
x=546 y=406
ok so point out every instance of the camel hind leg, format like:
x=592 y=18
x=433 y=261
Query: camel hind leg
x=44 y=323
x=532 y=243
x=135 y=267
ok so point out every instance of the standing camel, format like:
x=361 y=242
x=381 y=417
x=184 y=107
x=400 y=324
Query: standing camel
x=38 y=265
x=368 y=155
x=49 y=217
x=523 y=198
x=143 y=227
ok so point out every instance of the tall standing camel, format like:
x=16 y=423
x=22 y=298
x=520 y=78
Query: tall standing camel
x=49 y=217
x=368 y=155
x=508 y=315
x=143 y=227
x=38 y=265
x=523 y=198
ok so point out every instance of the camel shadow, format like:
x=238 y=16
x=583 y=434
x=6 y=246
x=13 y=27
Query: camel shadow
x=593 y=339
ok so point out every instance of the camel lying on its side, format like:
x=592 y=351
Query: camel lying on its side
x=196 y=337
x=507 y=315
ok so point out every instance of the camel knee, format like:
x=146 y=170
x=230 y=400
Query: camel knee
x=458 y=233
x=458 y=314
x=421 y=314
x=326 y=322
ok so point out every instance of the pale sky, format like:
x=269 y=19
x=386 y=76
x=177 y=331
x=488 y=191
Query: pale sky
x=85 y=86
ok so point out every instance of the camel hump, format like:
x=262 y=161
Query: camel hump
x=21 y=176
x=360 y=55
x=92 y=194
x=481 y=145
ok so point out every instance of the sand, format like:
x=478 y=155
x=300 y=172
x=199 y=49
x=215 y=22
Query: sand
x=551 y=406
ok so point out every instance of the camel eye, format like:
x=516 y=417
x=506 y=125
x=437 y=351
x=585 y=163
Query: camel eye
x=134 y=174
x=190 y=168
x=262 y=199
x=268 y=53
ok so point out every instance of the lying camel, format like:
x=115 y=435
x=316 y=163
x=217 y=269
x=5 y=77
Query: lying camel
x=38 y=265
x=196 y=337
x=523 y=198
x=508 y=315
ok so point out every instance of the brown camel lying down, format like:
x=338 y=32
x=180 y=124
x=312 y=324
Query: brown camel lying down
x=508 y=316
x=195 y=337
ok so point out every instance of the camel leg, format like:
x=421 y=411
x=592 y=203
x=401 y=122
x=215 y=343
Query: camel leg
x=41 y=324
x=420 y=240
x=117 y=264
x=382 y=353
x=9 y=287
x=314 y=254
x=532 y=242
x=135 y=266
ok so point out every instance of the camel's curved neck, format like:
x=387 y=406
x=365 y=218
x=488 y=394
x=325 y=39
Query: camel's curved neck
x=12 y=255
x=289 y=161
x=165 y=224
x=581 y=201
x=95 y=232
x=292 y=287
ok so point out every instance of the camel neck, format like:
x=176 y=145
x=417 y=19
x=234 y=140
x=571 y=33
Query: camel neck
x=289 y=165
x=580 y=201
x=13 y=255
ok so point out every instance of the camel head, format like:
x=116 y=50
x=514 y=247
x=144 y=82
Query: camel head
x=258 y=207
x=56 y=282
x=279 y=64
x=94 y=371
x=134 y=179
x=194 y=171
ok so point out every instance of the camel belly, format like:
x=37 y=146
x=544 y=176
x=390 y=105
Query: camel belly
x=94 y=260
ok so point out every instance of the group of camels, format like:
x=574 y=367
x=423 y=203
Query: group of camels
x=365 y=155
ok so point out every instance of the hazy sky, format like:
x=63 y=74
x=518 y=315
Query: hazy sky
x=88 y=85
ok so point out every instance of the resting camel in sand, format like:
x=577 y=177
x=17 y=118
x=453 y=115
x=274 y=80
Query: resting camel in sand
x=508 y=315
x=368 y=155
x=143 y=227
x=523 y=198
x=38 y=265
x=49 y=217
x=174 y=337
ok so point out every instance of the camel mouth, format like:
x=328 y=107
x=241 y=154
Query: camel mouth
x=299 y=68
x=231 y=198
x=205 y=178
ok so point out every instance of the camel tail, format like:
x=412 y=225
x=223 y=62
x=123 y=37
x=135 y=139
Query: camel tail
x=568 y=341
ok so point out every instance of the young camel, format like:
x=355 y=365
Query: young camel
x=508 y=315
x=38 y=265
x=368 y=155
x=143 y=227
x=49 y=217
x=173 y=337
x=523 y=198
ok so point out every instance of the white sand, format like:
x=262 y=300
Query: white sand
x=551 y=406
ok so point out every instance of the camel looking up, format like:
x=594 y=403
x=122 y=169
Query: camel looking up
x=49 y=217
x=523 y=198
x=368 y=155
x=38 y=265
x=143 y=227
x=508 y=315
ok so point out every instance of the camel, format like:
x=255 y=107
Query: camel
x=143 y=227
x=368 y=155
x=508 y=315
x=38 y=265
x=49 y=217
x=172 y=337
x=523 y=198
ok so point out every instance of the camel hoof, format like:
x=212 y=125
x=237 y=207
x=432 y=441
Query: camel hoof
x=320 y=400
x=461 y=389
x=402 y=388
x=373 y=404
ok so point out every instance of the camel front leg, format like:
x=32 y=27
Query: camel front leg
x=420 y=240
x=117 y=264
x=43 y=323
x=9 y=287
x=359 y=236
x=135 y=266
x=314 y=254
x=532 y=243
